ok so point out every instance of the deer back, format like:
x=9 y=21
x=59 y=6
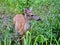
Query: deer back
x=19 y=23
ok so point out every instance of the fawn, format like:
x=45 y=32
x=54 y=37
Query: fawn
x=21 y=21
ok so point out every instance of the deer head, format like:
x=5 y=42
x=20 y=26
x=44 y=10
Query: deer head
x=29 y=15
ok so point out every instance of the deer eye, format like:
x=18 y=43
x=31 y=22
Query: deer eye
x=32 y=15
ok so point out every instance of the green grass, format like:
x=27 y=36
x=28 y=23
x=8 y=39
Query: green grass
x=44 y=32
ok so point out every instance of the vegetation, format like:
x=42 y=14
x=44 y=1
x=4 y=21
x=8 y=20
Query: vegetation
x=44 y=32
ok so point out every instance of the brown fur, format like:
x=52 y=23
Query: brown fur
x=19 y=22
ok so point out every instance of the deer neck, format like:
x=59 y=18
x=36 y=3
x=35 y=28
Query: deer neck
x=27 y=23
x=26 y=18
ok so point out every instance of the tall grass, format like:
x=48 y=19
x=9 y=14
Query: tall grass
x=44 y=32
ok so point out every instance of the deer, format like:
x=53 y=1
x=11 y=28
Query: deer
x=22 y=21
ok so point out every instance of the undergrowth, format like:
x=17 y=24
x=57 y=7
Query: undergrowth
x=44 y=32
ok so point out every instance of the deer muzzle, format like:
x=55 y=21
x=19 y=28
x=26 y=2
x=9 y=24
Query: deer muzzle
x=37 y=18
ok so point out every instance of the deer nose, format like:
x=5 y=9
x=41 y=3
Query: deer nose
x=39 y=19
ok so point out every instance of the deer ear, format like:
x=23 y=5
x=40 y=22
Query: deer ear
x=30 y=8
x=25 y=10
